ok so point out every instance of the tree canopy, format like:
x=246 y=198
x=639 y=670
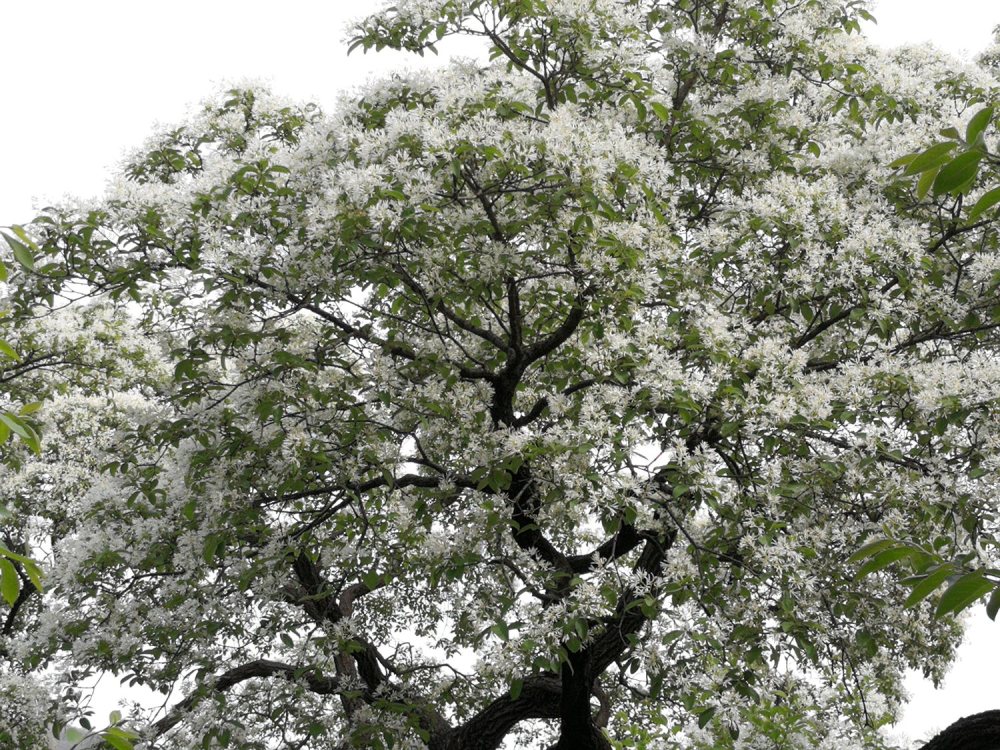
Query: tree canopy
x=588 y=397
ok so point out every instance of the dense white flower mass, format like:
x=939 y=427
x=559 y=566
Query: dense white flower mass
x=545 y=400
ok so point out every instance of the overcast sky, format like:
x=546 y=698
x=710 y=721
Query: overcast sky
x=81 y=83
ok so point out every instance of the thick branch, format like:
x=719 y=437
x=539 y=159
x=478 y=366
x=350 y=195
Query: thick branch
x=439 y=306
x=577 y=730
x=392 y=348
x=525 y=529
x=539 y=699
x=514 y=318
x=541 y=696
x=27 y=363
x=629 y=617
x=497 y=235
x=320 y=601
x=625 y=540
x=560 y=335
x=518 y=62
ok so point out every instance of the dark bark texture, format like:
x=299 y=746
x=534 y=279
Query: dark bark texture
x=976 y=732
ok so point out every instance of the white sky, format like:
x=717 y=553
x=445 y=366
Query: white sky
x=81 y=83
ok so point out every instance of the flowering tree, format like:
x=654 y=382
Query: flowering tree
x=13 y=566
x=957 y=191
x=580 y=398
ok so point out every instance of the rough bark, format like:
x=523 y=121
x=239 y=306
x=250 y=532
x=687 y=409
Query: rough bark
x=976 y=732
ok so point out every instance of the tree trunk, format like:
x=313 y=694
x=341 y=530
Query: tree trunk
x=976 y=732
x=576 y=726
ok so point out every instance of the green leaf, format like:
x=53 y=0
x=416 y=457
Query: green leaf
x=883 y=560
x=24 y=236
x=73 y=734
x=33 y=443
x=993 y=605
x=866 y=642
x=902 y=161
x=870 y=549
x=125 y=734
x=22 y=429
x=29 y=566
x=211 y=546
x=978 y=124
x=17 y=425
x=33 y=572
x=117 y=742
x=30 y=408
x=963 y=592
x=21 y=253
x=956 y=173
x=10 y=584
x=951 y=133
x=3 y=272
x=928 y=584
x=501 y=631
x=660 y=110
x=985 y=203
x=705 y=716
x=515 y=689
x=7 y=349
x=925 y=182
x=933 y=157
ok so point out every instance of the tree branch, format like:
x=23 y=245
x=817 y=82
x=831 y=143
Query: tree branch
x=322 y=604
x=539 y=699
x=26 y=591
x=560 y=335
x=625 y=540
x=629 y=618
x=316 y=682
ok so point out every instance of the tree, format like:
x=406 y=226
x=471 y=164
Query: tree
x=14 y=566
x=71 y=359
x=567 y=400
x=978 y=732
x=957 y=191
x=22 y=719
